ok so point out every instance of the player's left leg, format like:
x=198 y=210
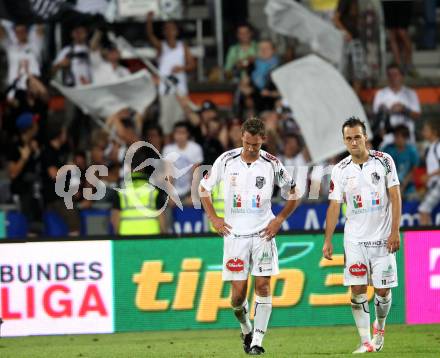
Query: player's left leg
x=264 y=265
x=384 y=277
x=382 y=305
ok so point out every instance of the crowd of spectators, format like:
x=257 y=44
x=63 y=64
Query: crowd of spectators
x=37 y=144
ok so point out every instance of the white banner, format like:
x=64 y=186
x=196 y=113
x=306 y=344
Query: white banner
x=137 y=7
x=290 y=18
x=136 y=91
x=321 y=100
x=56 y=288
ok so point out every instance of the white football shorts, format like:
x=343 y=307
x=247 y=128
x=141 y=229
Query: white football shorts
x=369 y=263
x=244 y=254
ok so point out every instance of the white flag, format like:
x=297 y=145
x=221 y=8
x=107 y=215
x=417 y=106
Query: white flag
x=136 y=91
x=321 y=100
x=289 y=18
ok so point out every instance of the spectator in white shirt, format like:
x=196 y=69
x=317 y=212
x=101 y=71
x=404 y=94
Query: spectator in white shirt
x=105 y=61
x=24 y=55
x=186 y=155
x=174 y=57
x=396 y=104
x=74 y=59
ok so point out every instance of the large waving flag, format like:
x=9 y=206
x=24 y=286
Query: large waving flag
x=136 y=91
x=289 y=18
x=321 y=100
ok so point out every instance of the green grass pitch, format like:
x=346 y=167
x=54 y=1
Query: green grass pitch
x=401 y=341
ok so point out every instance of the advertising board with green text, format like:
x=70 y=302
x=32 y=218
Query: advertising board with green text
x=177 y=284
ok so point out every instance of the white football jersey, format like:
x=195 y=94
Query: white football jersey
x=364 y=190
x=247 y=188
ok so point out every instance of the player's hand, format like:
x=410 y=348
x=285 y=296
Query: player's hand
x=393 y=243
x=220 y=226
x=272 y=229
x=327 y=250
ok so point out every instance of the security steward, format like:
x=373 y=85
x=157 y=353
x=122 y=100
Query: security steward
x=135 y=209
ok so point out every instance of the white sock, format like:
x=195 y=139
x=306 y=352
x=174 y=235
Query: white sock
x=361 y=314
x=382 y=306
x=242 y=314
x=263 y=309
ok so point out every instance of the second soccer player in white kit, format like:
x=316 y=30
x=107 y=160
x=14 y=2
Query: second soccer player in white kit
x=249 y=227
x=367 y=182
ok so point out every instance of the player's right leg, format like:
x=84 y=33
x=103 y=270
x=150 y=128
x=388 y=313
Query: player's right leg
x=240 y=307
x=236 y=263
x=356 y=275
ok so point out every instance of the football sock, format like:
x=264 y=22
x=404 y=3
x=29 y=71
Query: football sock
x=361 y=314
x=263 y=309
x=382 y=306
x=242 y=314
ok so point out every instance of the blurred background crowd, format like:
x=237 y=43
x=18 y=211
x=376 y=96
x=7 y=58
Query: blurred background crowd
x=211 y=79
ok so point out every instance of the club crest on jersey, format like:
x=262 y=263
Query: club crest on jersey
x=375 y=178
x=259 y=182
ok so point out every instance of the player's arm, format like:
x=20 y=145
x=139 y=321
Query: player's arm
x=155 y=42
x=292 y=203
x=331 y=220
x=393 y=243
x=206 y=185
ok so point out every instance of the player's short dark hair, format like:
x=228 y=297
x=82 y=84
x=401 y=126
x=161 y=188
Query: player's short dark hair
x=254 y=126
x=434 y=124
x=402 y=130
x=354 y=122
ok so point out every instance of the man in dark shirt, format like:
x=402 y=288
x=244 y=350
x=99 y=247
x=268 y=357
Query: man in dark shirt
x=346 y=19
x=23 y=157
x=52 y=159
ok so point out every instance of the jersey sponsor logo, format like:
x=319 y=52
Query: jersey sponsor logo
x=256 y=201
x=375 y=178
x=271 y=157
x=260 y=181
x=378 y=154
x=375 y=198
x=332 y=186
x=233 y=180
x=236 y=201
x=357 y=201
x=387 y=165
x=235 y=265
x=358 y=270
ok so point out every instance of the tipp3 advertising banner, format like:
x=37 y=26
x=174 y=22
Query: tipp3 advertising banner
x=177 y=284
x=155 y=284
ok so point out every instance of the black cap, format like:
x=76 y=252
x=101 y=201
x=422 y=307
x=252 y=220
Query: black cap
x=208 y=105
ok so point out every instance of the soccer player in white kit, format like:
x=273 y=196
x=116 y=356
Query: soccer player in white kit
x=249 y=226
x=367 y=182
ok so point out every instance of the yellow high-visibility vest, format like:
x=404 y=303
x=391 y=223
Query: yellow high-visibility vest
x=323 y=5
x=218 y=202
x=139 y=220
